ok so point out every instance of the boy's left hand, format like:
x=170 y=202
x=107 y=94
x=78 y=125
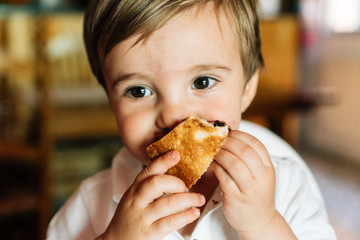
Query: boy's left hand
x=247 y=179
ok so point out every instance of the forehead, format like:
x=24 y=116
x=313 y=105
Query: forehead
x=196 y=12
x=213 y=19
x=196 y=22
x=194 y=37
x=128 y=26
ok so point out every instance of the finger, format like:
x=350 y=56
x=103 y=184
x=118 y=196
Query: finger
x=226 y=182
x=255 y=144
x=160 y=165
x=156 y=186
x=233 y=163
x=176 y=203
x=241 y=152
x=237 y=179
x=176 y=221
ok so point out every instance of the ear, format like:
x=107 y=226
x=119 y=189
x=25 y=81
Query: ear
x=250 y=91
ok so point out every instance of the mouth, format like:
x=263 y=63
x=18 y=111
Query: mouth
x=160 y=134
x=157 y=136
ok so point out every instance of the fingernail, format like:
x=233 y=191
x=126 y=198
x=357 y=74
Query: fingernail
x=202 y=199
x=196 y=211
x=172 y=154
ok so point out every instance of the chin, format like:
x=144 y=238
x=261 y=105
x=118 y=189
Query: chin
x=143 y=158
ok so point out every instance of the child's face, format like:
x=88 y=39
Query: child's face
x=187 y=68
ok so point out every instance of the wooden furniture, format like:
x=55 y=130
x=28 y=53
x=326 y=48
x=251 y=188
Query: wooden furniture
x=36 y=152
x=50 y=119
x=69 y=75
x=278 y=91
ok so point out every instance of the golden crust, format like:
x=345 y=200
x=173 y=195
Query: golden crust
x=197 y=141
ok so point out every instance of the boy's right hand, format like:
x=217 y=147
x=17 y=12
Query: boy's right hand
x=144 y=212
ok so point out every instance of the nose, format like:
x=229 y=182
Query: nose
x=171 y=114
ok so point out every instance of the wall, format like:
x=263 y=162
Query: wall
x=335 y=128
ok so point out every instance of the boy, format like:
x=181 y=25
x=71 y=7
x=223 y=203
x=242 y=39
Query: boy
x=161 y=62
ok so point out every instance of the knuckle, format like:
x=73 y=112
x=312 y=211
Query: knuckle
x=170 y=202
x=170 y=221
x=142 y=175
x=247 y=151
x=256 y=143
x=235 y=164
x=226 y=179
x=147 y=170
x=154 y=182
x=245 y=178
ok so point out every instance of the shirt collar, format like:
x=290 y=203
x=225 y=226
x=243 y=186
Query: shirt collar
x=213 y=203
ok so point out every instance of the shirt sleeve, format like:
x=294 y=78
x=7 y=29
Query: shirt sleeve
x=299 y=201
x=72 y=221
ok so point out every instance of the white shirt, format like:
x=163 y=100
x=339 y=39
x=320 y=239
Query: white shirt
x=87 y=213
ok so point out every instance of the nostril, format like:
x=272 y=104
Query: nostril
x=172 y=112
x=169 y=122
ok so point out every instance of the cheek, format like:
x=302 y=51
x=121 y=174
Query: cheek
x=229 y=108
x=129 y=126
x=134 y=129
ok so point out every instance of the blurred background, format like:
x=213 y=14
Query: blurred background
x=56 y=127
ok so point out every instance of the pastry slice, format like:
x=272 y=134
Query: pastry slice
x=198 y=141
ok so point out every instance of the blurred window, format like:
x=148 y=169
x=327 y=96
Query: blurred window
x=341 y=16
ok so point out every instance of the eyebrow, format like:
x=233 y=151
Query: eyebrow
x=207 y=67
x=196 y=68
x=128 y=76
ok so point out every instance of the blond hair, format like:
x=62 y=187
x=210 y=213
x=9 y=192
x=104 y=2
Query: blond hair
x=109 y=22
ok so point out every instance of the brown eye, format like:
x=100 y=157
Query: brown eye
x=138 y=92
x=203 y=82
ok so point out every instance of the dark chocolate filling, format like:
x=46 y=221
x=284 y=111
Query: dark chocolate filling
x=218 y=123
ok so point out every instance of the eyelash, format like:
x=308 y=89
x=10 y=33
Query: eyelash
x=129 y=92
x=209 y=79
x=145 y=92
